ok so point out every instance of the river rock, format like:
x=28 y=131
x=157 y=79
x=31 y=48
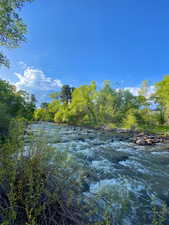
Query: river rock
x=142 y=139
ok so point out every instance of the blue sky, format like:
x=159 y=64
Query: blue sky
x=77 y=41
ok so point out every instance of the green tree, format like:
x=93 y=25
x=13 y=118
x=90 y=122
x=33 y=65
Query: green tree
x=66 y=94
x=54 y=107
x=12 y=28
x=161 y=97
x=143 y=94
x=42 y=114
x=83 y=104
x=63 y=115
x=144 y=89
x=104 y=104
x=113 y=104
x=130 y=121
x=14 y=104
x=44 y=105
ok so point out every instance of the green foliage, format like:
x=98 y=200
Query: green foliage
x=62 y=115
x=130 y=122
x=66 y=94
x=87 y=106
x=12 y=28
x=14 y=104
x=156 y=129
x=83 y=102
x=144 y=89
x=42 y=114
x=54 y=106
x=159 y=216
x=113 y=105
x=40 y=185
x=44 y=105
x=162 y=91
x=5 y=118
x=3 y=60
x=161 y=97
x=108 y=107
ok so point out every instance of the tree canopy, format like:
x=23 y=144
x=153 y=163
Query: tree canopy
x=12 y=27
x=14 y=104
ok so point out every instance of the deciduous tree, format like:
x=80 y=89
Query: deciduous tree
x=12 y=27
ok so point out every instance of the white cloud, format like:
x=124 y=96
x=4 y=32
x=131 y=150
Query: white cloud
x=35 y=80
x=135 y=90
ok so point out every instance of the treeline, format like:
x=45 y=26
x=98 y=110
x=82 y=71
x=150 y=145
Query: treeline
x=14 y=105
x=86 y=105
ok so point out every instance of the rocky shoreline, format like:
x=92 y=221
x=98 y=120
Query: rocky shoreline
x=139 y=138
x=146 y=139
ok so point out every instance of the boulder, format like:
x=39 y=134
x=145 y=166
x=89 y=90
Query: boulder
x=141 y=139
x=149 y=141
x=140 y=134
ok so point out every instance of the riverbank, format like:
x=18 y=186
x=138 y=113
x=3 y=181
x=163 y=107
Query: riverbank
x=146 y=136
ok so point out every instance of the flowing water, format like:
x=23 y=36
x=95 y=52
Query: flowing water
x=130 y=179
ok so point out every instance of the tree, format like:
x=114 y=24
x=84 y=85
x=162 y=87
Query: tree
x=54 y=107
x=42 y=114
x=12 y=28
x=83 y=104
x=14 y=104
x=44 y=105
x=161 y=97
x=144 y=89
x=144 y=94
x=66 y=94
x=5 y=118
x=113 y=104
x=130 y=121
x=28 y=102
x=104 y=103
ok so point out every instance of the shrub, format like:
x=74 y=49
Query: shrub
x=38 y=184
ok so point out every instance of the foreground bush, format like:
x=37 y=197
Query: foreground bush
x=37 y=183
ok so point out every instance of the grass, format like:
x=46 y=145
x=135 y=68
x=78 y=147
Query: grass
x=156 y=129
